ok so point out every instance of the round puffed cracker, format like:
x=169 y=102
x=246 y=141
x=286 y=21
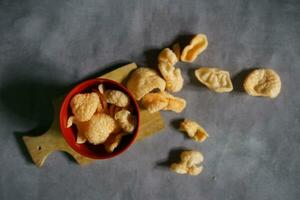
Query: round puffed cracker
x=99 y=127
x=263 y=82
x=117 y=98
x=144 y=80
x=84 y=106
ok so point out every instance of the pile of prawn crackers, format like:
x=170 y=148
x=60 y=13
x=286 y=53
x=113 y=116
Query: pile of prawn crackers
x=105 y=116
x=102 y=117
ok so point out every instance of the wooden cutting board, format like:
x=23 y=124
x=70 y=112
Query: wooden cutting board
x=40 y=147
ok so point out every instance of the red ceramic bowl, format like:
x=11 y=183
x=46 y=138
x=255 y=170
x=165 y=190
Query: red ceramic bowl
x=87 y=149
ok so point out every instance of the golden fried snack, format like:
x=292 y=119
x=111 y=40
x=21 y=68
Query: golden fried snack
x=215 y=79
x=177 y=50
x=125 y=120
x=84 y=105
x=70 y=121
x=167 y=56
x=101 y=88
x=166 y=61
x=197 y=45
x=154 y=102
x=117 y=98
x=194 y=130
x=81 y=126
x=263 y=82
x=99 y=127
x=144 y=80
x=189 y=163
x=102 y=107
x=111 y=109
x=113 y=142
x=175 y=104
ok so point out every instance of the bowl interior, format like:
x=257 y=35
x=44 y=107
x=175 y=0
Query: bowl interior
x=70 y=134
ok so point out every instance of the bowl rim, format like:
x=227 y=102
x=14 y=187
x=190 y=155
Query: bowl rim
x=65 y=105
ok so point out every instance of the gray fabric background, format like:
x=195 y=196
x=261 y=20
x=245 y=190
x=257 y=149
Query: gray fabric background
x=46 y=47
